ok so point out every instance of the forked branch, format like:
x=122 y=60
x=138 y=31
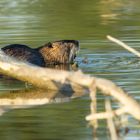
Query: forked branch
x=55 y=79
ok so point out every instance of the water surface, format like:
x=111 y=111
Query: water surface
x=34 y=23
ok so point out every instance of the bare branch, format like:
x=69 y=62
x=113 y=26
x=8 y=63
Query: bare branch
x=64 y=80
x=110 y=122
x=123 y=45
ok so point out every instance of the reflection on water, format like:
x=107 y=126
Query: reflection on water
x=110 y=14
x=36 y=22
x=32 y=97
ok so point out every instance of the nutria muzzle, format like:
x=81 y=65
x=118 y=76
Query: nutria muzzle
x=57 y=52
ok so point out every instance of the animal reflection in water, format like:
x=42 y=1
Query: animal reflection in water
x=57 y=54
x=32 y=97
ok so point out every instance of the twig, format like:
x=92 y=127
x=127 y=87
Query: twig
x=105 y=115
x=110 y=123
x=132 y=50
x=93 y=108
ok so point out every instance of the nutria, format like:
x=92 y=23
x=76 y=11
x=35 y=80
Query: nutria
x=57 y=52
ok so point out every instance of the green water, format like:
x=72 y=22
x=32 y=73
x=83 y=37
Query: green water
x=34 y=22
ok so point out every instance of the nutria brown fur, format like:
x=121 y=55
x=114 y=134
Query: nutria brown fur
x=58 y=52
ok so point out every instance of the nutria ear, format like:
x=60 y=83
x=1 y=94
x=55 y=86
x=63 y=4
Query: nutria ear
x=49 y=45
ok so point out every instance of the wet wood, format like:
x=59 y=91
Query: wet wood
x=63 y=80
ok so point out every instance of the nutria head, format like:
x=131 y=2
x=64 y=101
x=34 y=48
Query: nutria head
x=60 y=52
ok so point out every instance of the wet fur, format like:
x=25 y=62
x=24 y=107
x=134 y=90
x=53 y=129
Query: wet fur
x=58 y=52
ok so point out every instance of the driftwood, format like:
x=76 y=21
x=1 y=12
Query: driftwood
x=54 y=79
x=76 y=83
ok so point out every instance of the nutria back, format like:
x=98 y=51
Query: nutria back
x=57 y=52
x=24 y=53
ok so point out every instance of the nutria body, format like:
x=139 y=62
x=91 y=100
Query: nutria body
x=58 y=52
